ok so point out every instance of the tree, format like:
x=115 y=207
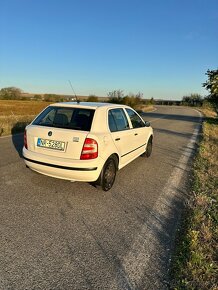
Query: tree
x=92 y=98
x=212 y=86
x=52 y=98
x=139 y=97
x=132 y=100
x=37 y=97
x=212 y=83
x=151 y=101
x=116 y=96
x=10 y=93
x=192 y=100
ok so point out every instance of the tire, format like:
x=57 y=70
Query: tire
x=148 y=148
x=108 y=174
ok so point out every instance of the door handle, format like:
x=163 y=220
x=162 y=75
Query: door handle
x=136 y=134
x=117 y=139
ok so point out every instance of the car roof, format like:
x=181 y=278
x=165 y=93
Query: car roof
x=90 y=105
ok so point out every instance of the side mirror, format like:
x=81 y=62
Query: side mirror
x=147 y=124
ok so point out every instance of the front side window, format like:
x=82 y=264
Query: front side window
x=67 y=118
x=135 y=119
x=117 y=120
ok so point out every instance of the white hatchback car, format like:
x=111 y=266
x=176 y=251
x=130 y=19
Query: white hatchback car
x=86 y=141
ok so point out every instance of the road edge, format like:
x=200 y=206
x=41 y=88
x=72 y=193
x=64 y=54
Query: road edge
x=162 y=222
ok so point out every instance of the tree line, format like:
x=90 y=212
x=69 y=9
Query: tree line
x=132 y=100
x=14 y=93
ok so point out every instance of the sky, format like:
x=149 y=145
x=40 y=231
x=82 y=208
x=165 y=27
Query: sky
x=161 y=48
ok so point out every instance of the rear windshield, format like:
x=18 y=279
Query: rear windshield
x=67 y=118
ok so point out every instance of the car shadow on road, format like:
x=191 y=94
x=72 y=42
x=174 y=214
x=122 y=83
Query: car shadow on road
x=171 y=132
x=184 y=118
x=17 y=137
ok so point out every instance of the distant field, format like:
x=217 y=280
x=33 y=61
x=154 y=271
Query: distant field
x=21 y=108
x=15 y=115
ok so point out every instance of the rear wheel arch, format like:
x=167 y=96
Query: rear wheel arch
x=151 y=137
x=115 y=156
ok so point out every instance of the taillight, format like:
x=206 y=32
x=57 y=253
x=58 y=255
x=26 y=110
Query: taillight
x=25 y=140
x=90 y=149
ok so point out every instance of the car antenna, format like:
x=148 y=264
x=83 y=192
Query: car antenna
x=77 y=100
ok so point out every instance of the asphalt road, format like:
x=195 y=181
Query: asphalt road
x=60 y=235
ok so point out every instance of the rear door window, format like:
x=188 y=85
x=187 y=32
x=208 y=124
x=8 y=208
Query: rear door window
x=117 y=120
x=67 y=118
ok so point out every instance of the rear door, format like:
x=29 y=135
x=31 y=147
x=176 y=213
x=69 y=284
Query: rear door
x=121 y=134
x=60 y=131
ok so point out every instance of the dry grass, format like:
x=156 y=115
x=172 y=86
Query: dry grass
x=208 y=112
x=195 y=264
x=144 y=108
x=21 y=108
x=15 y=115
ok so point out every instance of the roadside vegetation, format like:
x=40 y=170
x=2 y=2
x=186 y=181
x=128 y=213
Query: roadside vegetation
x=135 y=101
x=195 y=261
x=194 y=264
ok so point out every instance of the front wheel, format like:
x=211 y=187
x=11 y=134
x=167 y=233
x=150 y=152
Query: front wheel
x=148 y=151
x=149 y=148
x=108 y=174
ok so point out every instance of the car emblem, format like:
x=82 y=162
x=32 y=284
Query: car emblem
x=49 y=133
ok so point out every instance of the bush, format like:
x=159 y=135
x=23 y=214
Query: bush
x=92 y=98
x=52 y=98
x=132 y=100
x=194 y=100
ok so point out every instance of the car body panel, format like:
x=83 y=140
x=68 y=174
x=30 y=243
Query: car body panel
x=73 y=140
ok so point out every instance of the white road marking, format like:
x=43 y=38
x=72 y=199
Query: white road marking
x=136 y=262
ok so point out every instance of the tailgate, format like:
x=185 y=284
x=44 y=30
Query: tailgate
x=58 y=142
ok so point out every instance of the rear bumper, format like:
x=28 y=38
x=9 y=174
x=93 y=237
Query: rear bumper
x=64 y=168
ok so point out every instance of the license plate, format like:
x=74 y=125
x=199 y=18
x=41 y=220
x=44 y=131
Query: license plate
x=52 y=144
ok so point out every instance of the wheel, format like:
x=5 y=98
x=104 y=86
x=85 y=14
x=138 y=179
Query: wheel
x=108 y=174
x=148 y=148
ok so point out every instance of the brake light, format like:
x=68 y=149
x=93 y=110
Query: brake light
x=90 y=149
x=25 y=140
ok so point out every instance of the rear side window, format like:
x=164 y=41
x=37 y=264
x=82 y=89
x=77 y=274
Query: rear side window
x=67 y=118
x=117 y=120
